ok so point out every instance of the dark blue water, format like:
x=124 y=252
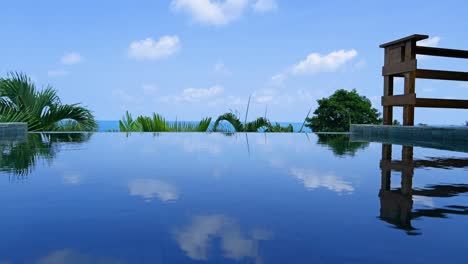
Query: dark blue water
x=242 y=198
x=113 y=125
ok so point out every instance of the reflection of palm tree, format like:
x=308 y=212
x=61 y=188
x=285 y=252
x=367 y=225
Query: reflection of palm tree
x=340 y=144
x=20 y=157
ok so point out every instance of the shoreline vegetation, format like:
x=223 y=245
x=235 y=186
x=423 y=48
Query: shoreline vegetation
x=42 y=110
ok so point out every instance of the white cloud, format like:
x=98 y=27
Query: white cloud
x=149 y=189
x=313 y=180
x=150 y=89
x=71 y=58
x=149 y=49
x=430 y=42
x=316 y=62
x=265 y=5
x=278 y=79
x=196 y=94
x=57 y=73
x=221 y=69
x=197 y=238
x=211 y=12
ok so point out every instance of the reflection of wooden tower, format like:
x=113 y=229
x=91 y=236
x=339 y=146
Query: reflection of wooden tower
x=400 y=61
x=395 y=206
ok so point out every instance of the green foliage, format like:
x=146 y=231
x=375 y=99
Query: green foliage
x=253 y=126
x=340 y=144
x=157 y=123
x=21 y=101
x=396 y=123
x=337 y=112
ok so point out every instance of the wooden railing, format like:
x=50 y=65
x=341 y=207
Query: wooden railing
x=400 y=61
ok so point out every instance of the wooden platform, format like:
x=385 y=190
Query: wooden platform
x=448 y=138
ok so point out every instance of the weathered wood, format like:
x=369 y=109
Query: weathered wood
x=400 y=61
x=441 y=75
x=452 y=53
x=399 y=100
x=408 y=110
x=415 y=37
x=441 y=103
x=388 y=91
x=394 y=69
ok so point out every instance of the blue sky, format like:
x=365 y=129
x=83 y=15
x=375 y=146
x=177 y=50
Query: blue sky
x=195 y=58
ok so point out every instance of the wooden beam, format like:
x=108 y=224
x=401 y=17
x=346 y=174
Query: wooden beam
x=399 y=100
x=415 y=37
x=441 y=75
x=452 y=53
x=399 y=68
x=408 y=110
x=441 y=103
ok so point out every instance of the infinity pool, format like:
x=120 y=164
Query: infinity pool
x=240 y=198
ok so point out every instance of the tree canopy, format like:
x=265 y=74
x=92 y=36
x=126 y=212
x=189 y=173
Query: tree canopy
x=337 y=112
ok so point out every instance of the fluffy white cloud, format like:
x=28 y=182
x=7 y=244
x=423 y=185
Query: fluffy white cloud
x=149 y=189
x=430 y=42
x=57 y=73
x=265 y=5
x=221 y=69
x=196 y=94
x=149 y=49
x=212 y=12
x=316 y=62
x=71 y=58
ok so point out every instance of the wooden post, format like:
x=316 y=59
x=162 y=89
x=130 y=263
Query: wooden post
x=388 y=91
x=408 y=110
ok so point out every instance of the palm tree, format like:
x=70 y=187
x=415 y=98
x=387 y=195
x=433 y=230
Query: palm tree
x=21 y=101
x=157 y=123
x=253 y=126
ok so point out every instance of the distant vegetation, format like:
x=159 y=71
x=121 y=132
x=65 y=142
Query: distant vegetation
x=157 y=123
x=42 y=110
x=337 y=112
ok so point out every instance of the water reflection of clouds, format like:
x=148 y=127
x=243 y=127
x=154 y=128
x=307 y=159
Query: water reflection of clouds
x=423 y=200
x=197 y=238
x=66 y=256
x=72 y=178
x=150 y=189
x=313 y=179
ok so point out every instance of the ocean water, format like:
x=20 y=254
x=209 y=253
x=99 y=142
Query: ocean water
x=113 y=125
x=146 y=198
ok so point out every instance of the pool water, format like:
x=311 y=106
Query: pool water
x=237 y=198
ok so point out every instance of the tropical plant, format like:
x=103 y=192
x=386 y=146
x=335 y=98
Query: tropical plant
x=337 y=112
x=253 y=126
x=42 y=110
x=157 y=123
